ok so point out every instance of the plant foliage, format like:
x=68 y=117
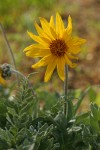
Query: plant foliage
x=23 y=126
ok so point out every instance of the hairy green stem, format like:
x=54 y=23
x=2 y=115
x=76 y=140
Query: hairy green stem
x=19 y=73
x=10 y=50
x=66 y=89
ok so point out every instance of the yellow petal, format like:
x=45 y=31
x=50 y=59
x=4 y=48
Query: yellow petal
x=46 y=40
x=66 y=36
x=50 y=68
x=69 y=27
x=71 y=56
x=52 y=22
x=53 y=33
x=46 y=27
x=43 y=62
x=59 y=25
x=35 y=46
x=35 y=37
x=38 y=53
x=72 y=65
x=32 y=53
x=44 y=52
x=76 y=41
x=39 y=30
x=60 y=67
x=28 y=48
x=74 y=49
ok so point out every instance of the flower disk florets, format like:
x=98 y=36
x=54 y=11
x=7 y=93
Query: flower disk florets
x=58 y=47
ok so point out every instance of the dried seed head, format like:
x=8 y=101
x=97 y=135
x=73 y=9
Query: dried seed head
x=5 y=70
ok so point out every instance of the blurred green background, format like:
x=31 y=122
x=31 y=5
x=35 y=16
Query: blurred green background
x=18 y=16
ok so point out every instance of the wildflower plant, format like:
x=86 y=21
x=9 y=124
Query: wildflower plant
x=55 y=45
x=23 y=125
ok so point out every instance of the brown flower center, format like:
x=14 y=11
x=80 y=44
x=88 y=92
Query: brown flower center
x=58 y=47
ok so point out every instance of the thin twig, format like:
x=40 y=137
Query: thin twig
x=66 y=89
x=10 y=50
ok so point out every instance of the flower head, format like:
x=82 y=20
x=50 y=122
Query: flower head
x=2 y=81
x=55 y=45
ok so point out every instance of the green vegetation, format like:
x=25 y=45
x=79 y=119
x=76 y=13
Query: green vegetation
x=24 y=126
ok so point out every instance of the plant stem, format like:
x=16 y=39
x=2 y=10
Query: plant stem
x=24 y=77
x=10 y=50
x=66 y=89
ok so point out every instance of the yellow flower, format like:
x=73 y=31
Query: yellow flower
x=2 y=81
x=55 y=45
